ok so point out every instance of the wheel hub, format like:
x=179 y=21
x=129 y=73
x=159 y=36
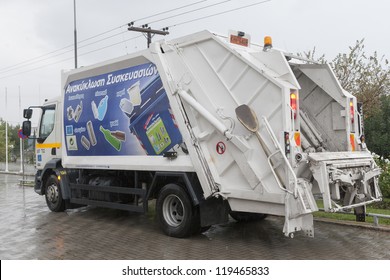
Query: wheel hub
x=173 y=210
x=52 y=193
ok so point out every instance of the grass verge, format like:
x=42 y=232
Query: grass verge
x=375 y=208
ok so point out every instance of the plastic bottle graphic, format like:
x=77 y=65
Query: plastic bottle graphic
x=101 y=109
x=94 y=110
x=116 y=143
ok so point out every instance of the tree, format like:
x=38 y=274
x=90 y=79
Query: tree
x=311 y=55
x=14 y=138
x=377 y=128
x=368 y=78
x=365 y=76
x=2 y=140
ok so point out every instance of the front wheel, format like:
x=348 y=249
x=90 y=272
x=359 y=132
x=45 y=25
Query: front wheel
x=175 y=212
x=53 y=195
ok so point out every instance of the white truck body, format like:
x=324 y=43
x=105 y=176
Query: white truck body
x=307 y=143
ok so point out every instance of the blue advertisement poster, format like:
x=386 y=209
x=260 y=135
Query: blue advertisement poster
x=125 y=112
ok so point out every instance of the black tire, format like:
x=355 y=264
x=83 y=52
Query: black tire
x=53 y=194
x=204 y=229
x=247 y=216
x=175 y=213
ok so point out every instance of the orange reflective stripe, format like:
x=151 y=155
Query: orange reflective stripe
x=48 y=145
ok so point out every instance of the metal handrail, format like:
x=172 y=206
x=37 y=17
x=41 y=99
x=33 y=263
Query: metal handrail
x=276 y=175
x=374 y=215
x=279 y=148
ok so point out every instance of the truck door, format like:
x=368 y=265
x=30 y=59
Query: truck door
x=48 y=142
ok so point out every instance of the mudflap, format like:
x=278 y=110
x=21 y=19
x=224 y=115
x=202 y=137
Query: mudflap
x=213 y=211
x=298 y=210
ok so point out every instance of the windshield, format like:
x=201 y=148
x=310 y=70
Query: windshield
x=47 y=122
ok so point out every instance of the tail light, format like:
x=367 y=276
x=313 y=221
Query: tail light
x=293 y=103
x=352 y=111
x=297 y=138
x=352 y=141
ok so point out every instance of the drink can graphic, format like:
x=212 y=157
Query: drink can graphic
x=91 y=133
x=85 y=142
x=78 y=111
x=152 y=122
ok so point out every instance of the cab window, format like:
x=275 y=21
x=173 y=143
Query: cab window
x=47 y=122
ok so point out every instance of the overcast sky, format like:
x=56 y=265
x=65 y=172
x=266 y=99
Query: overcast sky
x=37 y=35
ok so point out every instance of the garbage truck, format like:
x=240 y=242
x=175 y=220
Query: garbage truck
x=205 y=126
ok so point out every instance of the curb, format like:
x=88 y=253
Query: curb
x=17 y=173
x=355 y=224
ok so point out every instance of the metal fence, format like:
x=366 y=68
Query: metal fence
x=374 y=215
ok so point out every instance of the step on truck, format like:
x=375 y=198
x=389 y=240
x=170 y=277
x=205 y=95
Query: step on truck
x=205 y=126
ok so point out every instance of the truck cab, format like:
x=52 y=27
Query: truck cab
x=48 y=139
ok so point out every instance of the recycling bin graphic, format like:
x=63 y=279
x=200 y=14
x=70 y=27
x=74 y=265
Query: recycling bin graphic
x=152 y=122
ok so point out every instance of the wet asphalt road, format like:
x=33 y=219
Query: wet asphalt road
x=28 y=230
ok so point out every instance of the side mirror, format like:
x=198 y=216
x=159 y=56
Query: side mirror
x=247 y=118
x=26 y=128
x=27 y=113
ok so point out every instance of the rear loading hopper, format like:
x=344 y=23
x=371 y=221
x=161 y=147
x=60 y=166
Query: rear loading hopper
x=261 y=166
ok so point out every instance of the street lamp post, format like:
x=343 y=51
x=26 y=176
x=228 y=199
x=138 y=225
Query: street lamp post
x=6 y=133
x=75 y=34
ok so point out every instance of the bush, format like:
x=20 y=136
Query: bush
x=384 y=179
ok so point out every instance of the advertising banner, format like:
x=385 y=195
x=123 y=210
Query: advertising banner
x=125 y=112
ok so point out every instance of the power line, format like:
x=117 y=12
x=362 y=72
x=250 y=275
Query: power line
x=69 y=58
x=55 y=53
x=120 y=33
x=33 y=60
x=27 y=63
x=109 y=46
x=5 y=69
x=168 y=11
x=221 y=13
x=195 y=10
x=30 y=61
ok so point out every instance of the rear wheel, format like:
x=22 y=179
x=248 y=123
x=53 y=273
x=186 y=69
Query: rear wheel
x=175 y=212
x=247 y=216
x=53 y=195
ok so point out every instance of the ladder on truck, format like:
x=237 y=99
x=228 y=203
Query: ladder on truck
x=299 y=202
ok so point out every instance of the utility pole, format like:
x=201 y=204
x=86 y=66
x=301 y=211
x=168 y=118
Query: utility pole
x=75 y=34
x=6 y=132
x=145 y=29
x=21 y=148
